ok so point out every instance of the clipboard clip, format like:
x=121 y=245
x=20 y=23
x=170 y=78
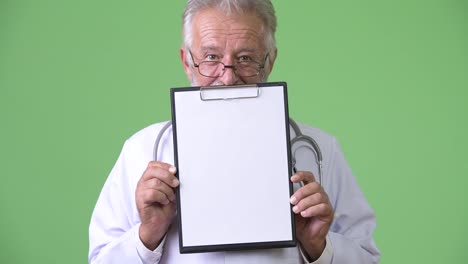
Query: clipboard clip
x=229 y=92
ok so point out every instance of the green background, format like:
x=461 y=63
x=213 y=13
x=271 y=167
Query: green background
x=387 y=78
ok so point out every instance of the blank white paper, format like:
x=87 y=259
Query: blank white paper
x=233 y=168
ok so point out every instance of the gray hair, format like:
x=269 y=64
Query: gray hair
x=263 y=8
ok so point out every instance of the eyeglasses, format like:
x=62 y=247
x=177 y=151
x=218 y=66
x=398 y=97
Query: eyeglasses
x=215 y=69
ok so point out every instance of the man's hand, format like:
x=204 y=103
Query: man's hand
x=155 y=201
x=314 y=214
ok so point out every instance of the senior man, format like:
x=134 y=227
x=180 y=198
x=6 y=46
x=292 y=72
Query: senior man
x=227 y=42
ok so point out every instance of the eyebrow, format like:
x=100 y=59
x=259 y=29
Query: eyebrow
x=209 y=48
x=217 y=48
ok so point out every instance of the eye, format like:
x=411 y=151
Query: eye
x=244 y=58
x=212 y=57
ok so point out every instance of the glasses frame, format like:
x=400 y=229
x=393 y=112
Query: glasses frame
x=233 y=67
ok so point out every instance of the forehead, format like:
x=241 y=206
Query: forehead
x=214 y=30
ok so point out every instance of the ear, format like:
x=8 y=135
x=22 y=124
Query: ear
x=271 y=61
x=185 y=63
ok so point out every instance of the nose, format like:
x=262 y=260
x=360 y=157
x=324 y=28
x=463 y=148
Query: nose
x=229 y=76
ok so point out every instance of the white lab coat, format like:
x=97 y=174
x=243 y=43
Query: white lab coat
x=113 y=231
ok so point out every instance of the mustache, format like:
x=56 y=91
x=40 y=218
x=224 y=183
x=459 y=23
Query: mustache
x=193 y=81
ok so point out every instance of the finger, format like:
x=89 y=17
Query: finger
x=157 y=185
x=309 y=201
x=318 y=210
x=304 y=191
x=303 y=176
x=163 y=165
x=162 y=174
x=151 y=196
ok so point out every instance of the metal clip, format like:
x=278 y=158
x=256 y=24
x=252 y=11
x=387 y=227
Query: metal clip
x=229 y=92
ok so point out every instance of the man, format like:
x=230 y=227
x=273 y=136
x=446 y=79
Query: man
x=227 y=42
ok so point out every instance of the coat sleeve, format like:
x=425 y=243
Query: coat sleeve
x=113 y=230
x=351 y=233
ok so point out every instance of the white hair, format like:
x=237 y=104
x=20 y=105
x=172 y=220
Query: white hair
x=262 y=8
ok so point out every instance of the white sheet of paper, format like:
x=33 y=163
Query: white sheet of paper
x=233 y=168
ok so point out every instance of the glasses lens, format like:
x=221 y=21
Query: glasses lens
x=248 y=69
x=211 y=68
x=215 y=69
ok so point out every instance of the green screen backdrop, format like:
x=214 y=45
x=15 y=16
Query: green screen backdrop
x=389 y=79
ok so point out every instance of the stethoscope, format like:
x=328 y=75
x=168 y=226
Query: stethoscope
x=311 y=144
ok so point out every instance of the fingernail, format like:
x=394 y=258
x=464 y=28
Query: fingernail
x=295 y=209
x=175 y=182
x=293 y=199
x=295 y=178
x=172 y=169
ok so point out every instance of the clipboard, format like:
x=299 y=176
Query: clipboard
x=233 y=159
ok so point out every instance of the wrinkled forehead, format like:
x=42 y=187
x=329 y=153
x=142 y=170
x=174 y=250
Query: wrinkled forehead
x=213 y=29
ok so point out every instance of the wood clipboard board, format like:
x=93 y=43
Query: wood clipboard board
x=232 y=152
